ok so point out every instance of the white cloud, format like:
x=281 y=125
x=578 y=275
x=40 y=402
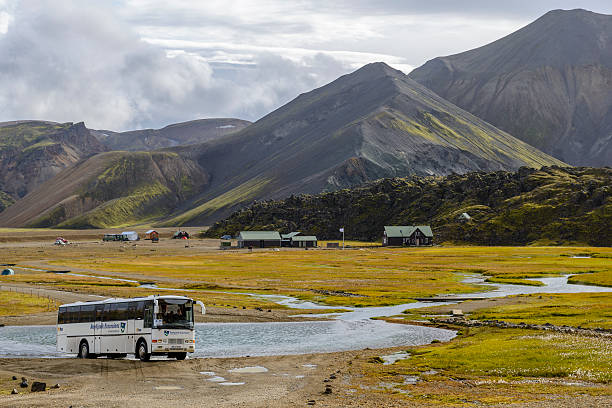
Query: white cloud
x=84 y=63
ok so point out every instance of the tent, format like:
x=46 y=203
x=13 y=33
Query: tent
x=60 y=241
x=130 y=236
x=180 y=235
x=8 y=272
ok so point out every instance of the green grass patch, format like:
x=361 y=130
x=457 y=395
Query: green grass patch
x=571 y=309
x=603 y=278
x=516 y=353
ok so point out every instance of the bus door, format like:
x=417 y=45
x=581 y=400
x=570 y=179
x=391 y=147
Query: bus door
x=97 y=346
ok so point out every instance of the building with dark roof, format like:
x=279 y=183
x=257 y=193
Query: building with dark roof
x=259 y=239
x=407 y=235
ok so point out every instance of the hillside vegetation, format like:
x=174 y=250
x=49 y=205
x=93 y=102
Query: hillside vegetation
x=32 y=152
x=108 y=190
x=553 y=205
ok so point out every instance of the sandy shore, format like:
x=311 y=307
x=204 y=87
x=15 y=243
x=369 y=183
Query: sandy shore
x=278 y=381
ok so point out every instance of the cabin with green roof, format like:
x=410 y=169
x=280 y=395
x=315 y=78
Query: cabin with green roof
x=259 y=239
x=407 y=235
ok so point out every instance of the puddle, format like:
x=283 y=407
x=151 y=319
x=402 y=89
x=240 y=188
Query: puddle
x=309 y=365
x=231 y=383
x=168 y=387
x=216 y=379
x=410 y=380
x=392 y=358
x=208 y=373
x=581 y=257
x=248 y=370
x=299 y=376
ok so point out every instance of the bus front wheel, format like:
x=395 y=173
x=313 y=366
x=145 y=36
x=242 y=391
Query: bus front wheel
x=83 y=349
x=142 y=351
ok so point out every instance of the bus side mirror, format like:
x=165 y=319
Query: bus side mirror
x=199 y=302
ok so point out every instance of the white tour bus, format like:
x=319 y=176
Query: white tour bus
x=153 y=325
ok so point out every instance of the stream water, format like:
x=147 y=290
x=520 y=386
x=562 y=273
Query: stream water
x=349 y=330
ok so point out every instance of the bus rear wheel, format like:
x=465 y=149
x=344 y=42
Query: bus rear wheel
x=142 y=351
x=179 y=356
x=84 y=350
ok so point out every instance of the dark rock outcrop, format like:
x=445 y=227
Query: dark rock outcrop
x=553 y=205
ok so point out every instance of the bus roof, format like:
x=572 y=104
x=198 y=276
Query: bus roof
x=118 y=300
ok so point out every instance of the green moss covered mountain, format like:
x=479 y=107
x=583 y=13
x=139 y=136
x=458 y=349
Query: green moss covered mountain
x=32 y=152
x=553 y=205
x=108 y=190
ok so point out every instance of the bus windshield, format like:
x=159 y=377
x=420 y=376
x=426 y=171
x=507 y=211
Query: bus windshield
x=174 y=314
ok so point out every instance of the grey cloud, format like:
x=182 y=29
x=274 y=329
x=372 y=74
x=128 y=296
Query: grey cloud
x=70 y=64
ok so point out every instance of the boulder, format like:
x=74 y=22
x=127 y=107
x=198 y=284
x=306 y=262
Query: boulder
x=39 y=386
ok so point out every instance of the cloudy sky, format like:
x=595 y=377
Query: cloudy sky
x=128 y=64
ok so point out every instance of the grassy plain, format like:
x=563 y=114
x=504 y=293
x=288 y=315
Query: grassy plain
x=497 y=366
x=378 y=276
x=15 y=304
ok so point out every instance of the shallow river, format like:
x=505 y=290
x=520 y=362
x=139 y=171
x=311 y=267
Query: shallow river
x=351 y=330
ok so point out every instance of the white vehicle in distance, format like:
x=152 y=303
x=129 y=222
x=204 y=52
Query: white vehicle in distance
x=153 y=325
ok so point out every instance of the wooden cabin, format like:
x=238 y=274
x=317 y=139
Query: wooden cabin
x=152 y=235
x=407 y=235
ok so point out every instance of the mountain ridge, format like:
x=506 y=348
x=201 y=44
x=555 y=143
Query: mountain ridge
x=548 y=84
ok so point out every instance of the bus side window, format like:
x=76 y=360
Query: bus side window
x=87 y=313
x=140 y=310
x=61 y=315
x=131 y=310
x=73 y=314
x=99 y=313
x=114 y=313
x=106 y=315
x=148 y=314
x=122 y=311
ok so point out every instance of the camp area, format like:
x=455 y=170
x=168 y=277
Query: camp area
x=407 y=235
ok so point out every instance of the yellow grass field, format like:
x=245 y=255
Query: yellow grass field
x=15 y=304
x=377 y=276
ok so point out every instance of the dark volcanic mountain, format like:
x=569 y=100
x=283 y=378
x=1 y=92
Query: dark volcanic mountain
x=178 y=134
x=549 y=84
x=31 y=152
x=373 y=123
